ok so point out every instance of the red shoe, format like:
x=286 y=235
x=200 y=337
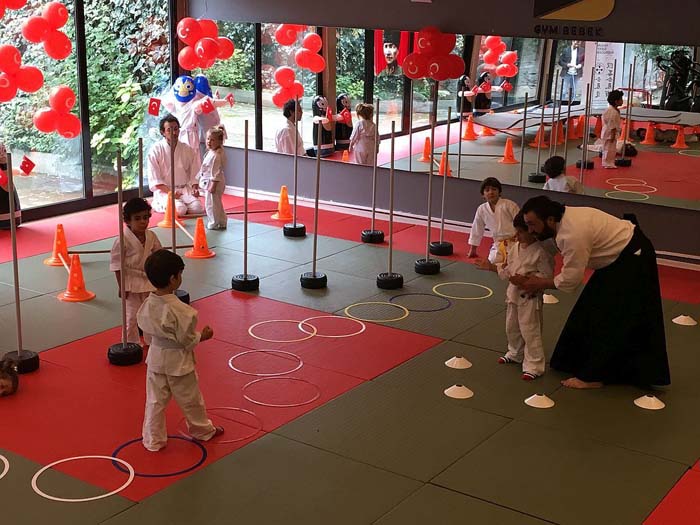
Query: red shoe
x=527 y=376
x=503 y=360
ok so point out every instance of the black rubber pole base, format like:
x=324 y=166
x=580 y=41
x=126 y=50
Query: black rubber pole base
x=441 y=248
x=427 y=267
x=121 y=355
x=373 y=236
x=27 y=361
x=294 y=230
x=536 y=177
x=588 y=166
x=623 y=163
x=389 y=281
x=183 y=296
x=313 y=281
x=245 y=282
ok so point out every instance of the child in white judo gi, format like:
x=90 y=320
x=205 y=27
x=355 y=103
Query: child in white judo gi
x=496 y=214
x=611 y=128
x=139 y=243
x=362 y=139
x=524 y=311
x=9 y=378
x=212 y=180
x=172 y=326
x=554 y=168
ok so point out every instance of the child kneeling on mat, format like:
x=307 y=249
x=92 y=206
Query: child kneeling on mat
x=524 y=311
x=172 y=326
x=9 y=380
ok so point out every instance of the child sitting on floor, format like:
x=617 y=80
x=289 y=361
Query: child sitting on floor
x=524 y=311
x=172 y=326
x=9 y=380
x=139 y=243
x=496 y=214
x=554 y=167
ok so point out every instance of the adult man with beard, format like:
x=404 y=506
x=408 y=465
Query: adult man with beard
x=615 y=332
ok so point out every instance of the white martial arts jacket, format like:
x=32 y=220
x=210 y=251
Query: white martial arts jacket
x=362 y=139
x=499 y=222
x=172 y=326
x=563 y=183
x=212 y=168
x=611 y=122
x=524 y=260
x=186 y=165
x=135 y=255
x=284 y=140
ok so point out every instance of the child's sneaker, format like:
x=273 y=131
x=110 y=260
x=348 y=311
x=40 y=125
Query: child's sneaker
x=503 y=360
x=527 y=376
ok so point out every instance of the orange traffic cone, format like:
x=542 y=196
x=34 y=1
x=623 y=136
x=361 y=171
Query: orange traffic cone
x=200 y=250
x=426 y=151
x=581 y=128
x=649 y=138
x=680 y=139
x=486 y=132
x=60 y=248
x=598 y=130
x=284 y=210
x=167 y=221
x=560 y=133
x=346 y=156
x=444 y=165
x=75 y=291
x=539 y=138
x=571 y=131
x=469 y=133
x=508 y=157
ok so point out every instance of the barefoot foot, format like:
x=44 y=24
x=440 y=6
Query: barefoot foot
x=575 y=382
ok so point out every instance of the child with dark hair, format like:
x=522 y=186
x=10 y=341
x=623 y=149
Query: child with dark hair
x=496 y=214
x=9 y=379
x=172 y=326
x=363 y=139
x=139 y=243
x=555 y=167
x=611 y=128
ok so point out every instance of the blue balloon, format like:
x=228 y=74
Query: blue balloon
x=201 y=84
x=183 y=88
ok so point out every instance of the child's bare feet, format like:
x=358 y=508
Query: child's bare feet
x=575 y=382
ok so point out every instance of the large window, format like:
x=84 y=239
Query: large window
x=58 y=174
x=350 y=64
x=390 y=47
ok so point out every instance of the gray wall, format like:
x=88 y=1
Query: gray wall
x=639 y=21
x=671 y=229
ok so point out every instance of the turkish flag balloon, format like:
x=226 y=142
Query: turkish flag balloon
x=285 y=76
x=10 y=59
x=29 y=79
x=57 y=45
x=35 y=29
x=312 y=42
x=46 y=120
x=285 y=35
x=317 y=63
x=209 y=28
x=509 y=57
x=415 y=66
x=492 y=41
x=438 y=68
x=426 y=41
x=189 y=31
x=55 y=14
x=490 y=57
x=62 y=99
x=68 y=126
x=206 y=63
x=187 y=58
x=206 y=48
x=8 y=87
x=226 y=48
x=15 y=4
x=455 y=66
x=445 y=43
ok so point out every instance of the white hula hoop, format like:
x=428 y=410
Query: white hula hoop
x=6 y=467
x=308 y=336
x=82 y=500
x=233 y=367
x=654 y=189
x=282 y=405
x=358 y=332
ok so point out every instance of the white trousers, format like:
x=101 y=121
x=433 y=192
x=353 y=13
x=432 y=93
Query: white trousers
x=216 y=215
x=134 y=300
x=186 y=204
x=524 y=331
x=185 y=389
x=609 y=152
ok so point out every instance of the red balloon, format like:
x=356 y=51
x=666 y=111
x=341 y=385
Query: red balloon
x=513 y=71
x=490 y=57
x=46 y=120
x=509 y=57
x=15 y=4
x=445 y=43
x=55 y=14
x=297 y=27
x=500 y=48
x=209 y=28
x=312 y=42
x=35 y=29
x=285 y=76
x=62 y=99
x=415 y=66
x=492 y=41
x=206 y=63
x=189 y=31
x=8 y=87
x=68 y=126
x=491 y=68
x=427 y=40
x=502 y=70
x=302 y=57
x=279 y=97
x=226 y=48
x=438 y=68
x=187 y=58
x=317 y=63
x=206 y=48
x=2 y=8
x=10 y=59
x=29 y=79
x=285 y=35
x=57 y=45
x=297 y=89
x=455 y=66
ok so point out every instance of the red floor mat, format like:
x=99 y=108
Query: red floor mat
x=681 y=506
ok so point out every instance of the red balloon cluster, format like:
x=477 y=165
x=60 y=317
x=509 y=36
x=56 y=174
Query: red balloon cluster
x=290 y=88
x=433 y=56
x=307 y=57
x=14 y=76
x=286 y=34
x=495 y=50
x=57 y=117
x=13 y=5
x=45 y=28
x=204 y=45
